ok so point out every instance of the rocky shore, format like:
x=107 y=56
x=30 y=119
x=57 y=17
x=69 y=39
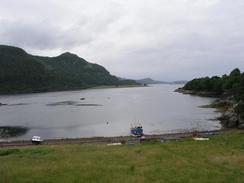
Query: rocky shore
x=230 y=117
x=225 y=104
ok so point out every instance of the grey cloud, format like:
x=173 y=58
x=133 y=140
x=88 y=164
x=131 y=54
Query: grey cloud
x=41 y=35
x=162 y=39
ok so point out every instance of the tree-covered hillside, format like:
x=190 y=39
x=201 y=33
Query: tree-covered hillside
x=21 y=72
x=227 y=85
x=231 y=84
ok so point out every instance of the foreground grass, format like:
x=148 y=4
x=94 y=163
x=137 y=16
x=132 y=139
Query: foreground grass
x=219 y=160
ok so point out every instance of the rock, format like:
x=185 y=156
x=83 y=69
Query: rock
x=227 y=104
x=220 y=102
x=241 y=124
x=230 y=118
x=232 y=122
x=224 y=122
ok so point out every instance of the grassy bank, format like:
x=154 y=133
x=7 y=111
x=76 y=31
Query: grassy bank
x=219 y=160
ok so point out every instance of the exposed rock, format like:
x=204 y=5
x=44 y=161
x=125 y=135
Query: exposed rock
x=220 y=102
x=230 y=117
x=227 y=104
x=241 y=123
x=241 y=126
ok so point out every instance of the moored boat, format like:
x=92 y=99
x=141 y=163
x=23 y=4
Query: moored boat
x=36 y=140
x=137 y=130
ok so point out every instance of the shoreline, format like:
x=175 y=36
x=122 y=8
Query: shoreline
x=226 y=105
x=72 y=89
x=197 y=93
x=116 y=139
x=120 y=86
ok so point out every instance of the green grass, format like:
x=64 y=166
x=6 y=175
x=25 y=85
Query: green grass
x=219 y=160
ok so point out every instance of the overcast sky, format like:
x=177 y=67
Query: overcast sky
x=161 y=39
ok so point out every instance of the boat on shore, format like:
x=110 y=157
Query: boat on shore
x=136 y=130
x=36 y=140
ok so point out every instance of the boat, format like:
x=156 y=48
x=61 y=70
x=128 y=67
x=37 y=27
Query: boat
x=136 y=130
x=36 y=140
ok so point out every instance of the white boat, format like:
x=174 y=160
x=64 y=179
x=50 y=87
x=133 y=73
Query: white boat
x=36 y=140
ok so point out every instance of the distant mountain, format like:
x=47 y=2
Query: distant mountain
x=21 y=72
x=151 y=81
x=180 y=82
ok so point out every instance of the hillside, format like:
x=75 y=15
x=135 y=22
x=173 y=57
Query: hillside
x=21 y=72
x=150 y=81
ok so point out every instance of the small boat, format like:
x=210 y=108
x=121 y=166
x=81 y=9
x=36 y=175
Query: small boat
x=200 y=138
x=36 y=140
x=136 y=130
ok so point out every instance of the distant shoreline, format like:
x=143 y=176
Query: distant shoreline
x=74 y=89
x=86 y=88
x=120 y=86
x=106 y=140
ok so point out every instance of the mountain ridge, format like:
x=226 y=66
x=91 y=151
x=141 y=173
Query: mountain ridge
x=21 y=72
x=151 y=81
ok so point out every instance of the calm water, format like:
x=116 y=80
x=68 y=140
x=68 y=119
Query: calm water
x=107 y=112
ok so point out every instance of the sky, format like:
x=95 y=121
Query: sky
x=162 y=39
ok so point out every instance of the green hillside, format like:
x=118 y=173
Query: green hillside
x=21 y=72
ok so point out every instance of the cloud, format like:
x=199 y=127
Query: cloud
x=41 y=35
x=163 y=39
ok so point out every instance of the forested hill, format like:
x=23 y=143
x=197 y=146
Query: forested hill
x=228 y=87
x=232 y=84
x=21 y=72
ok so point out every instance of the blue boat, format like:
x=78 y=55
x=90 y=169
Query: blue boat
x=136 y=130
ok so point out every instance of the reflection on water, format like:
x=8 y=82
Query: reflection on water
x=107 y=112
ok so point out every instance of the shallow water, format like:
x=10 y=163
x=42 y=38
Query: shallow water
x=107 y=112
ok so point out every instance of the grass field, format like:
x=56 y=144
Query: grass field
x=219 y=160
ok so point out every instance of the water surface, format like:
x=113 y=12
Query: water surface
x=107 y=112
